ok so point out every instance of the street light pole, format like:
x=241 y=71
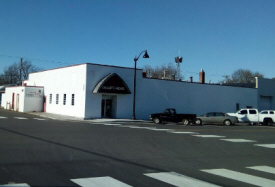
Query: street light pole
x=135 y=80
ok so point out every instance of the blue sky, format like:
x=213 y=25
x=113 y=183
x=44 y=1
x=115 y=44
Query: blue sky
x=219 y=36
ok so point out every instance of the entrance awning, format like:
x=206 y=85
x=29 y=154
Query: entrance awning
x=112 y=83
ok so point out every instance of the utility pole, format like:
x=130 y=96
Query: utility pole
x=20 y=79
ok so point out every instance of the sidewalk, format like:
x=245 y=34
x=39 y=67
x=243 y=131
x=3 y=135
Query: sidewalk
x=71 y=118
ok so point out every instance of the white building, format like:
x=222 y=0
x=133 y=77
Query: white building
x=94 y=91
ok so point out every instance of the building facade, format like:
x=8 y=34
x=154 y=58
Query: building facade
x=95 y=91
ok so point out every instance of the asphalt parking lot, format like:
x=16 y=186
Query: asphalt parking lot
x=39 y=151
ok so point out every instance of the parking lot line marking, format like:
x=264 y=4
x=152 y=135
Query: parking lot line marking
x=238 y=140
x=182 y=132
x=137 y=127
x=160 y=129
x=150 y=128
x=209 y=136
x=99 y=181
x=20 y=118
x=179 y=180
x=111 y=124
x=2 y=117
x=14 y=184
x=242 y=177
x=41 y=119
x=266 y=169
x=266 y=145
x=129 y=126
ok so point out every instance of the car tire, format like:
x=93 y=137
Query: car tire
x=268 y=122
x=156 y=120
x=185 y=122
x=198 y=122
x=227 y=122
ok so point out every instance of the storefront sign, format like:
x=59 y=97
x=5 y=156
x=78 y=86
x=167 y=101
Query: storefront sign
x=34 y=94
x=112 y=83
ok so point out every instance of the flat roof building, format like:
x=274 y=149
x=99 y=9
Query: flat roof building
x=94 y=91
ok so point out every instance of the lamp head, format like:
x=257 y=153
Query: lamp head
x=146 y=54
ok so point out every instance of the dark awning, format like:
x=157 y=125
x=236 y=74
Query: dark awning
x=112 y=83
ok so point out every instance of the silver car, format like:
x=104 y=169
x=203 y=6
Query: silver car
x=218 y=117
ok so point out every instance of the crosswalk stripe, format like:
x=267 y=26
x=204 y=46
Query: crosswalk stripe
x=266 y=145
x=179 y=180
x=99 y=182
x=209 y=136
x=238 y=140
x=2 y=117
x=20 y=118
x=242 y=177
x=266 y=169
x=14 y=184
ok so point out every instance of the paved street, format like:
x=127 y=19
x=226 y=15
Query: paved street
x=36 y=151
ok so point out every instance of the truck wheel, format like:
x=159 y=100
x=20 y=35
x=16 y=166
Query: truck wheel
x=268 y=122
x=227 y=122
x=198 y=122
x=185 y=122
x=156 y=120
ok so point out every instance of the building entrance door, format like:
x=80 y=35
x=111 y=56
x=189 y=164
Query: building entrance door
x=106 y=108
x=17 y=102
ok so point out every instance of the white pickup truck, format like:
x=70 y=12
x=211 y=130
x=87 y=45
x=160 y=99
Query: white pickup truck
x=251 y=115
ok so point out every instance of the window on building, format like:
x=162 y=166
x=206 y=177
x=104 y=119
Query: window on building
x=51 y=98
x=64 y=99
x=237 y=106
x=72 y=99
x=57 y=98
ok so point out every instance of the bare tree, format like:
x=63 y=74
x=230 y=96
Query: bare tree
x=12 y=73
x=242 y=76
x=161 y=72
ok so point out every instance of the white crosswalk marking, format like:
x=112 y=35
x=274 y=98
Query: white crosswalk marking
x=179 y=180
x=238 y=140
x=266 y=145
x=99 y=182
x=13 y=184
x=2 y=117
x=20 y=118
x=209 y=136
x=250 y=179
x=266 y=169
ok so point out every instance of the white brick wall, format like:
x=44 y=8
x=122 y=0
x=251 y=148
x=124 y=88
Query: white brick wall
x=25 y=99
x=69 y=80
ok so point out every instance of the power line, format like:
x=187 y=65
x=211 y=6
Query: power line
x=35 y=59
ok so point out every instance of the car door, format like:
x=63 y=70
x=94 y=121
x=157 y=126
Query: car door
x=166 y=115
x=253 y=115
x=219 y=117
x=242 y=115
x=208 y=117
